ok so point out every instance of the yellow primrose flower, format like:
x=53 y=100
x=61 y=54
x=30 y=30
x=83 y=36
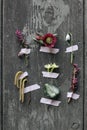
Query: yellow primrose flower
x=48 y=67
x=55 y=66
x=51 y=67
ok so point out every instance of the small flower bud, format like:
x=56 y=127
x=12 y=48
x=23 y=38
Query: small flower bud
x=68 y=37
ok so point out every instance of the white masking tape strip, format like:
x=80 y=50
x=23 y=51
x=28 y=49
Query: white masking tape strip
x=75 y=96
x=31 y=88
x=50 y=102
x=71 y=48
x=49 y=50
x=24 y=51
x=25 y=74
x=69 y=94
x=50 y=74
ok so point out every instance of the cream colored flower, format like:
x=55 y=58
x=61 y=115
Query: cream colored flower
x=50 y=67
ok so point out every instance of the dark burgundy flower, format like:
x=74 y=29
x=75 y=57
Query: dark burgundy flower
x=49 y=40
x=19 y=35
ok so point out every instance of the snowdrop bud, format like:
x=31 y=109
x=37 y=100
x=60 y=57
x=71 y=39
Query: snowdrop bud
x=68 y=37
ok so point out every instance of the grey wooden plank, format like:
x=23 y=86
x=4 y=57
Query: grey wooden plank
x=85 y=64
x=63 y=16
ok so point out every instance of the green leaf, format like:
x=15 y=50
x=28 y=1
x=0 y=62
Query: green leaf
x=51 y=90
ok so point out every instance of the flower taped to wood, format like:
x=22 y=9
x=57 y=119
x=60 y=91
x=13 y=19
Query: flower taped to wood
x=51 y=91
x=48 y=40
x=72 y=47
x=25 y=51
x=50 y=68
x=74 y=84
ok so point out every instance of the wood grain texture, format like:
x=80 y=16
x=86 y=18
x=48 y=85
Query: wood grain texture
x=58 y=16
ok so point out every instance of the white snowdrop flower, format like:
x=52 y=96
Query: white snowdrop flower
x=68 y=37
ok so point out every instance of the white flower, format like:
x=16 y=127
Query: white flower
x=68 y=37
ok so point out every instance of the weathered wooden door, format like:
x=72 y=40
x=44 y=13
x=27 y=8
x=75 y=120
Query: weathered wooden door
x=55 y=16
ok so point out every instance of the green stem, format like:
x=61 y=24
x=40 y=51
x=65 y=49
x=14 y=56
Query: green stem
x=48 y=70
x=52 y=70
x=71 y=57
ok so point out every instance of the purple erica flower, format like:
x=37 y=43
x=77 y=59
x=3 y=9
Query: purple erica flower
x=74 y=80
x=75 y=65
x=19 y=35
x=76 y=68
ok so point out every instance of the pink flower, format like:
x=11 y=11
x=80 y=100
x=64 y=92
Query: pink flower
x=19 y=35
x=74 y=81
x=76 y=67
x=39 y=37
x=49 y=40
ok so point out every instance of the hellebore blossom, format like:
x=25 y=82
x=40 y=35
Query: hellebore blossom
x=49 y=40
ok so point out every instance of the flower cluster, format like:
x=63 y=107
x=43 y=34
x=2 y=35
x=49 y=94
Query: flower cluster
x=25 y=48
x=19 y=35
x=47 y=40
x=74 y=83
x=51 y=67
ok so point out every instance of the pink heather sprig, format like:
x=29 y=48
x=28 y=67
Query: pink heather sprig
x=74 y=77
x=74 y=82
x=76 y=68
x=22 y=41
x=19 y=35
